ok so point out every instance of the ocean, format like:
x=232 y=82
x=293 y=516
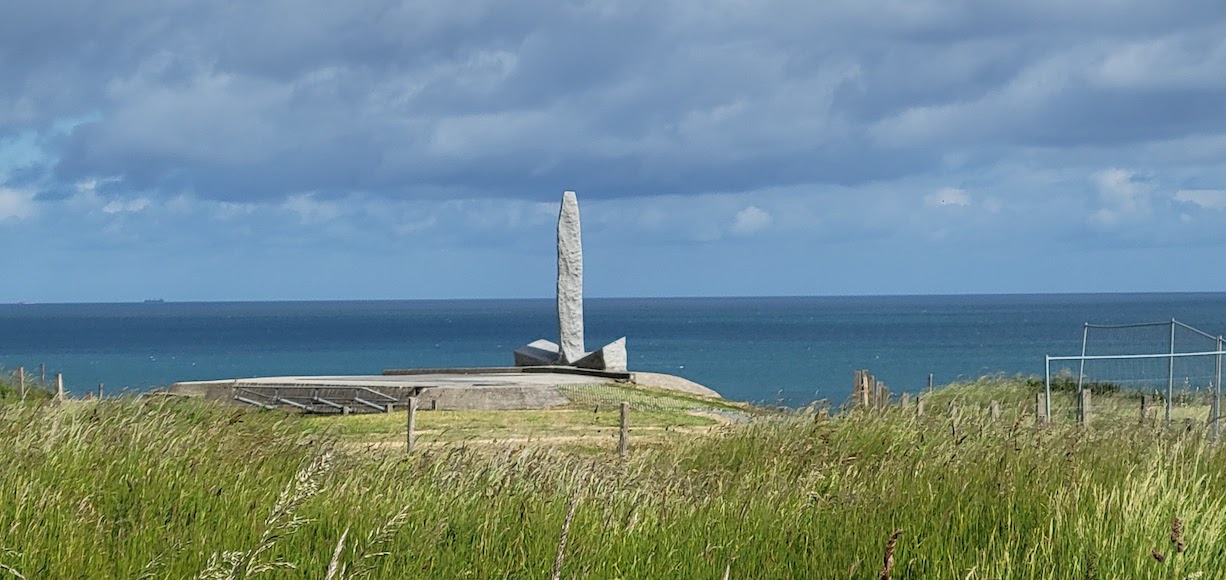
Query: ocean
x=772 y=349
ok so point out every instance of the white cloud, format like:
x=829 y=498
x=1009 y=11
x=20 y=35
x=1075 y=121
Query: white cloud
x=996 y=114
x=948 y=196
x=1123 y=197
x=1117 y=185
x=16 y=204
x=1205 y=198
x=311 y=210
x=415 y=227
x=86 y=186
x=750 y=220
x=229 y=209
x=1171 y=62
x=126 y=205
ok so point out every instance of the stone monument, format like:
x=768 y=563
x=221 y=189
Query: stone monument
x=570 y=350
x=570 y=281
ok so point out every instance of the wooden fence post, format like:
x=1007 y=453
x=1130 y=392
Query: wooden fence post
x=21 y=382
x=42 y=373
x=1040 y=408
x=994 y=410
x=59 y=386
x=1144 y=407
x=865 y=392
x=919 y=406
x=1212 y=422
x=1214 y=416
x=100 y=391
x=903 y=400
x=865 y=389
x=856 y=381
x=1085 y=407
x=929 y=381
x=883 y=396
x=410 y=424
x=623 y=445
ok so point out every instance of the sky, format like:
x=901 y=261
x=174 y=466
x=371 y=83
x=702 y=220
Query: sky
x=372 y=149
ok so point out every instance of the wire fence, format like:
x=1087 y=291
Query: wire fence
x=1168 y=364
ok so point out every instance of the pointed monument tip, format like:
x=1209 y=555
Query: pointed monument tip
x=566 y=194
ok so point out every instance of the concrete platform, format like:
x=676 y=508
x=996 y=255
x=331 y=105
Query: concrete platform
x=444 y=389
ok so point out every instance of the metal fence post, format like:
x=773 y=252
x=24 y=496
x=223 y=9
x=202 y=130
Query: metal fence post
x=1217 y=392
x=1046 y=401
x=59 y=386
x=1081 y=374
x=21 y=382
x=1170 y=378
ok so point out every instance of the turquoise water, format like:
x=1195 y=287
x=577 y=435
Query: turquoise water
x=795 y=349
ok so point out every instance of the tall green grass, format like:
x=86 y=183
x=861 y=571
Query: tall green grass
x=10 y=387
x=173 y=489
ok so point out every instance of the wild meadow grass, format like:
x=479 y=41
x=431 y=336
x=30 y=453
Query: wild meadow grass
x=162 y=488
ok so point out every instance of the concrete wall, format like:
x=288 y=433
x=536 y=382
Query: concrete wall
x=500 y=398
x=213 y=390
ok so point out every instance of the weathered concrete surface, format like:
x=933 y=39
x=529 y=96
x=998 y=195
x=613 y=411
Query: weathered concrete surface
x=491 y=398
x=673 y=383
x=215 y=390
x=465 y=390
x=570 y=282
x=537 y=353
x=610 y=357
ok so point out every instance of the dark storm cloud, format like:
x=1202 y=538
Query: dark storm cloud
x=258 y=100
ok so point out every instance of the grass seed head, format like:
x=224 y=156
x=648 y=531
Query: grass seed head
x=887 y=566
x=1177 y=535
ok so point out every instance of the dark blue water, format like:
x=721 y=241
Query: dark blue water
x=756 y=349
